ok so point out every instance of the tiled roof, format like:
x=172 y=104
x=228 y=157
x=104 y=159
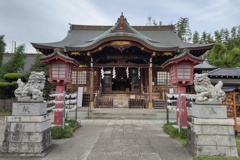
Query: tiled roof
x=82 y=36
x=234 y=72
x=59 y=54
x=204 y=65
x=184 y=55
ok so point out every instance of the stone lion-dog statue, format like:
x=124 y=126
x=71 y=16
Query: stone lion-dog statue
x=205 y=91
x=31 y=91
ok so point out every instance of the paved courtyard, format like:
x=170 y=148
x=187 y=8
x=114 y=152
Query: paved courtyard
x=115 y=140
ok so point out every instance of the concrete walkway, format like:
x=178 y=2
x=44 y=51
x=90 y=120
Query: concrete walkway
x=115 y=140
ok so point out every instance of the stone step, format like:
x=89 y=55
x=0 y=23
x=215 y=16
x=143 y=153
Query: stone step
x=122 y=113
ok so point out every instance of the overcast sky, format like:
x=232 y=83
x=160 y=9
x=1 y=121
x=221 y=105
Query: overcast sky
x=26 y=21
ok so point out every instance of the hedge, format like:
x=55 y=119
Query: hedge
x=13 y=76
x=7 y=84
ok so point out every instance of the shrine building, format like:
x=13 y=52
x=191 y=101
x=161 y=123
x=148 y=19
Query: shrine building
x=121 y=61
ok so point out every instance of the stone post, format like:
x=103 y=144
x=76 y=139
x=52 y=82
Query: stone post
x=211 y=133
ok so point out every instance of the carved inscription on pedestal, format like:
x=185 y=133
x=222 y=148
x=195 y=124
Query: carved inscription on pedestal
x=209 y=111
x=29 y=109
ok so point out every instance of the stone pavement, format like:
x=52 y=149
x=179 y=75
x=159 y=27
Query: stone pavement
x=115 y=139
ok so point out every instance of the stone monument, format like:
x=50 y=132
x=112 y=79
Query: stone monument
x=27 y=131
x=210 y=132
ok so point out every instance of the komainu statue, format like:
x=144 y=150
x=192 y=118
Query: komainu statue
x=31 y=91
x=205 y=91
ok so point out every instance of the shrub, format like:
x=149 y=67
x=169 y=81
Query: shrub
x=167 y=128
x=59 y=133
x=7 y=90
x=5 y=84
x=173 y=132
x=13 y=76
x=72 y=123
x=184 y=134
x=5 y=111
x=68 y=132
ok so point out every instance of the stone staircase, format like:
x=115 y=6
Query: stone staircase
x=122 y=113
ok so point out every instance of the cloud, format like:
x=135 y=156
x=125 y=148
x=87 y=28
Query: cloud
x=46 y=21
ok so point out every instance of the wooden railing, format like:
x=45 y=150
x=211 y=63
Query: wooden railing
x=104 y=102
x=136 y=103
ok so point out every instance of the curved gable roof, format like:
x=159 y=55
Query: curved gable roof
x=158 y=38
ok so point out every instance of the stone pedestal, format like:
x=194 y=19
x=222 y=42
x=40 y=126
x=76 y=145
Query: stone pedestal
x=210 y=132
x=28 y=130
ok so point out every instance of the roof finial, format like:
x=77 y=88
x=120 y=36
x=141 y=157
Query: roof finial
x=122 y=13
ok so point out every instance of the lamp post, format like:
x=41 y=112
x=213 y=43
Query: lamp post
x=60 y=74
x=181 y=74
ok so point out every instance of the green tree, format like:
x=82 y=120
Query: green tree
x=209 y=38
x=234 y=57
x=203 y=39
x=195 y=37
x=2 y=49
x=16 y=63
x=39 y=66
x=234 y=40
x=226 y=35
x=234 y=32
x=238 y=32
x=217 y=54
x=217 y=36
x=183 y=29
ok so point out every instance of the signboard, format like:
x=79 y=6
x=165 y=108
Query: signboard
x=80 y=97
x=132 y=96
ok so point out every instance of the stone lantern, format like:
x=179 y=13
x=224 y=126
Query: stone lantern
x=60 y=72
x=181 y=74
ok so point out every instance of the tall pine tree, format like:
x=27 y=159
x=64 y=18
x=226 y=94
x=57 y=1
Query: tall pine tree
x=183 y=29
x=195 y=37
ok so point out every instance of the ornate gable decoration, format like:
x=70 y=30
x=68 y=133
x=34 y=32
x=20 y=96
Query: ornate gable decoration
x=121 y=45
x=122 y=25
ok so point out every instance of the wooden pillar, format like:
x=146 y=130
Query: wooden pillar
x=91 y=86
x=235 y=111
x=150 y=105
x=141 y=81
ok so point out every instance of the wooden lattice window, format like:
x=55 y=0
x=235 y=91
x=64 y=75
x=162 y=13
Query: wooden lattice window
x=162 y=78
x=82 y=77
x=74 y=77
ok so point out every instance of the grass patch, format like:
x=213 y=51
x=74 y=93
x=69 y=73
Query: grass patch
x=238 y=144
x=5 y=112
x=173 y=133
x=59 y=133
